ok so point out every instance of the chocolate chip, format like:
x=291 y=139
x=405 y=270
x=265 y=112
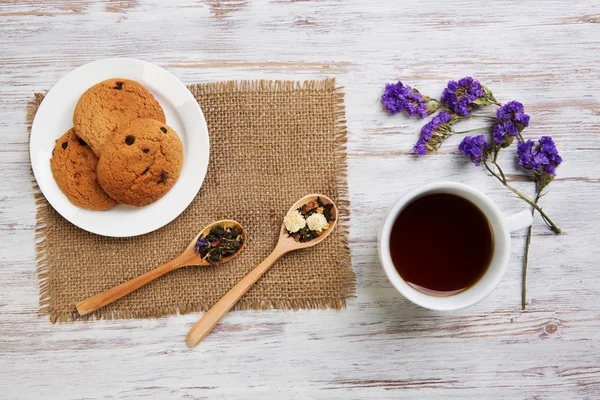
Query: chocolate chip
x=144 y=172
x=64 y=145
x=163 y=177
x=82 y=142
x=77 y=175
x=129 y=140
x=162 y=128
x=119 y=86
x=146 y=150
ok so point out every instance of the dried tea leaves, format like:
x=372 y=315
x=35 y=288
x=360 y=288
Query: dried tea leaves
x=221 y=242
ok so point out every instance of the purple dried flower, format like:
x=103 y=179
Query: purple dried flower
x=441 y=118
x=476 y=148
x=510 y=121
x=427 y=131
x=462 y=96
x=433 y=132
x=201 y=243
x=421 y=147
x=529 y=157
x=542 y=158
x=398 y=97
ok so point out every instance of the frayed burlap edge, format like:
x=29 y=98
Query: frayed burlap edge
x=341 y=137
x=264 y=86
x=283 y=304
x=41 y=213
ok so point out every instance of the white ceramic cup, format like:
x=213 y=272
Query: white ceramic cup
x=502 y=225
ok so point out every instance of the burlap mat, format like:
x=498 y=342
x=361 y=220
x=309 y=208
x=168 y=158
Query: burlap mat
x=271 y=143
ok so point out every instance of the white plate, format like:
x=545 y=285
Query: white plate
x=55 y=117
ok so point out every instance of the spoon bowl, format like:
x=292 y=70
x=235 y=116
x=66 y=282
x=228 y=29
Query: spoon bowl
x=285 y=237
x=285 y=244
x=225 y=223
x=189 y=257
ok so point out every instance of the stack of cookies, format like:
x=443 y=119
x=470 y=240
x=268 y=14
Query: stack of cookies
x=120 y=149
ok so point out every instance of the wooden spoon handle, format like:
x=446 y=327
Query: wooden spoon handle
x=100 y=300
x=218 y=311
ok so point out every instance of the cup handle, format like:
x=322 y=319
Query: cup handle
x=517 y=221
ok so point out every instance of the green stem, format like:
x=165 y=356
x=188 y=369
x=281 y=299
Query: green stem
x=520 y=195
x=526 y=260
x=473 y=130
x=483 y=116
x=495 y=151
x=499 y=169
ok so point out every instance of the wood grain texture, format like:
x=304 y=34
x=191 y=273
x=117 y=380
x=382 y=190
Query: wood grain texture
x=544 y=54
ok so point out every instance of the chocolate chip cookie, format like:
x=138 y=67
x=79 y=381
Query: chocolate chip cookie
x=73 y=166
x=109 y=104
x=140 y=162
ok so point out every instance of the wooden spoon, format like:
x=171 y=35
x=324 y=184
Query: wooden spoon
x=285 y=244
x=187 y=258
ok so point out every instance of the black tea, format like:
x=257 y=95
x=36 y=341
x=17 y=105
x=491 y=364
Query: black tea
x=441 y=244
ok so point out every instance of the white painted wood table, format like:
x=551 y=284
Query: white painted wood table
x=546 y=54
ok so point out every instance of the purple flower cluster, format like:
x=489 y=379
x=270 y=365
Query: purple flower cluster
x=510 y=121
x=201 y=243
x=398 y=97
x=429 y=130
x=460 y=96
x=476 y=148
x=421 y=147
x=542 y=158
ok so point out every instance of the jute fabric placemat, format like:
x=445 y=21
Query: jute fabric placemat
x=272 y=142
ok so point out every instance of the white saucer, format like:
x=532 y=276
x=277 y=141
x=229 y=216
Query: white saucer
x=55 y=116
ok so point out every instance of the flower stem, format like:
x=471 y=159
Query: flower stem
x=473 y=130
x=495 y=156
x=484 y=116
x=526 y=260
x=502 y=179
x=499 y=169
